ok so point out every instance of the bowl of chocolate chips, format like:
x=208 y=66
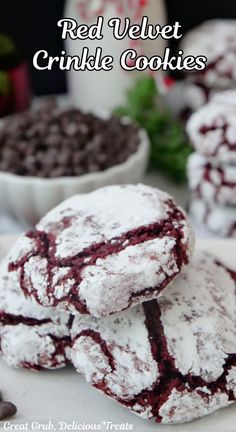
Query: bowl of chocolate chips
x=50 y=154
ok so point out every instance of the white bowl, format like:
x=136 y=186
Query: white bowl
x=29 y=198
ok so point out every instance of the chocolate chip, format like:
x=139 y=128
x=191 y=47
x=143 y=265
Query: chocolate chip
x=50 y=142
x=7 y=409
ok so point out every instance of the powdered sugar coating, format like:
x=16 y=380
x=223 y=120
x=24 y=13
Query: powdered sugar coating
x=185 y=406
x=194 y=96
x=214 y=183
x=227 y=97
x=218 y=219
x=231 y=380
x=212 y=131
x=31 y=336
x=126 y=338
x=143 y=271
x=216 y=40
x=200 y=343
x=104 y=215
x=173 y=359
x=103 y=252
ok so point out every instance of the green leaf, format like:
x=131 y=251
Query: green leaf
x=7 y=46
x=5 y=84
x=143 y=95
x=169 y=144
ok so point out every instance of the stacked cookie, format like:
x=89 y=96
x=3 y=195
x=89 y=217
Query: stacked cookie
x=31 y=336
x=216 y=40
x=212 y=168
x=149 y=324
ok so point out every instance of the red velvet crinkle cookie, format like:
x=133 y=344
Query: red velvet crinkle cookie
x=216 y=40
x=212 y=131
x=195 y=96
x=226 y=98
x=173 y=359
x=103 y=252
x=220 y=220
x=214 y=183
x=30 y=336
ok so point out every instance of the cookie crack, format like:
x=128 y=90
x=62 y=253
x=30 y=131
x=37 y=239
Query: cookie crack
x=46 y=249
x=170 y=377
x=13 y=320
x=97 y=338
x=203 y=130
x=213 y=65
x=60 y=344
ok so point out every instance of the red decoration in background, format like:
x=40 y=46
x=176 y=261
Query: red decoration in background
x=21 y=94
x=18 y=95
x=93 y=8
x=164 y=82
x=169 y=82
x=14 y=78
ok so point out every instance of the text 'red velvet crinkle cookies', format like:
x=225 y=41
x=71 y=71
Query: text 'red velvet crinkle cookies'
x=31 y=336
x=103 y=252
x=172 y=359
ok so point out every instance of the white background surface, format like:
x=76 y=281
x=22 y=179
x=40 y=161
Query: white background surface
x=64 y=395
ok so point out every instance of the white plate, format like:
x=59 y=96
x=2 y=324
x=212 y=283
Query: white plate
x=64 y=395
